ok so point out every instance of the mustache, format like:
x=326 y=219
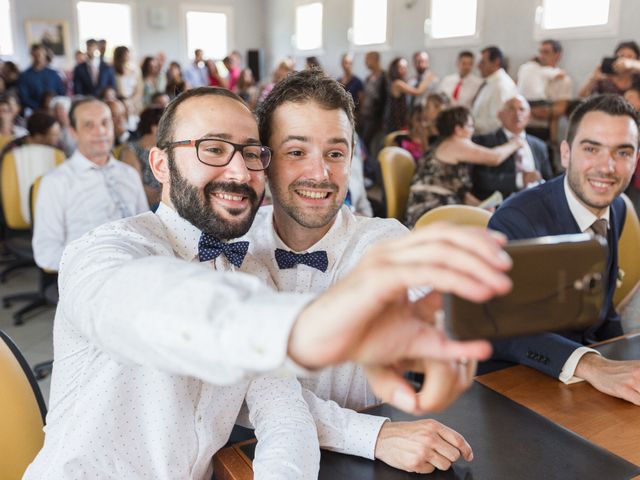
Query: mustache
x=231 y=187
x=324 y=185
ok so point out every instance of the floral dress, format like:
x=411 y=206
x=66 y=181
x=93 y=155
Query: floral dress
x=434 y=184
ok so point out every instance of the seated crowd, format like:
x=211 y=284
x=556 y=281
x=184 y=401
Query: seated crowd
x=138 y=140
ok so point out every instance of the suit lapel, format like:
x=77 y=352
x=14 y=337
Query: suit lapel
x=558 y=203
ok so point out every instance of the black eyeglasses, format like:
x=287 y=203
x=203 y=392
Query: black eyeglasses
x=218 y=153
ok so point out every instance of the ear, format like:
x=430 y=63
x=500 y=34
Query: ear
x=159 y=163
x=565 y=154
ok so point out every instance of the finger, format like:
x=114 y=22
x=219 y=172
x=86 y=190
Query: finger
x=439 y=461
x=429 y=342
x=391 y=387
x=456 y=440
x=439 y=388
x=475 y=240
x=425 y=467
x=630 y=395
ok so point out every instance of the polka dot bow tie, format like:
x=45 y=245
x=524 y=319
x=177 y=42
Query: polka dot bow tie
x=288 y=259
x=209 y=247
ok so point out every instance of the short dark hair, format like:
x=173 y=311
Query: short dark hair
x=609 y=103
x=167 y=121
x=494 y=53
x=304 y=86
x=631 y=45
x=438 y=98
x=36 y=46
x=91 y=41
x=77 y=103
x=149 y=117
x=39 y=123
x=450 y=118
x=554 y=44
x=465 y=53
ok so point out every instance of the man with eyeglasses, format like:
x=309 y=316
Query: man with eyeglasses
x=88 y=190
x=156 y=335
x=600 y=155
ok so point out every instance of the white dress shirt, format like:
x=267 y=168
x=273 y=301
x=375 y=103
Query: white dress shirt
x=584 y=218
x=526 y=155
x=78 y=196
x=534 y=81
x=468 y=88
x=498 y=88
x=152 y=349
x=339 y=429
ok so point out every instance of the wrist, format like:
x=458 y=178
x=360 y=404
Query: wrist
x=380 y=441
x=588 y=365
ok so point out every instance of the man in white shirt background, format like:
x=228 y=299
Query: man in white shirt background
x=461 y=87
x=309 y=240
x=497 y=87
x=547 y=87
x=91 y=188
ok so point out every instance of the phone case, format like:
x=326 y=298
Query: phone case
x=558 y=284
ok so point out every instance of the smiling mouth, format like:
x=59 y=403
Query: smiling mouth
x=229 y=196
x=313 y=195
x=600 y=184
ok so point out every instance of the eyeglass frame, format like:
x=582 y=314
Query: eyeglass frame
x=237 y=147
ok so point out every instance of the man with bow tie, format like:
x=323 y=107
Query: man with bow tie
x=156 y=337
x=309 y=240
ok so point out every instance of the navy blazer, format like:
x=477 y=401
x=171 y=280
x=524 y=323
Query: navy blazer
x=82 y=84
x=487 y=180
x=542 y=211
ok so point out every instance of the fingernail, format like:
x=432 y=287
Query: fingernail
x=403 y=400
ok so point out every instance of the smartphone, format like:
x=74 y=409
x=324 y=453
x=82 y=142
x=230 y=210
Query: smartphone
x=559 y=283
x=607 y=65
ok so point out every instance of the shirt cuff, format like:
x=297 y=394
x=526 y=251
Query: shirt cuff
x=567 y=374
x=362 y=435
x=519 y=181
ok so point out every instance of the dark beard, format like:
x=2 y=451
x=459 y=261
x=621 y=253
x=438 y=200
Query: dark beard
x=195 y=207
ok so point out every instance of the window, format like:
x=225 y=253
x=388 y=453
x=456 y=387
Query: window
x=452 y=22
x=309 y=26
x=576 y=18
x=208 y=31
x=6 y=39
x=108 y=21
x=369 y=22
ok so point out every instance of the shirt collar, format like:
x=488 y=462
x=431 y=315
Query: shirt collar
x=82 y=163
x=583 y=217
x=510 y=135
x=182 y=235
x=330 y=243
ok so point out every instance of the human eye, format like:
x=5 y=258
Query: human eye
x=336 y=155
x=590 y=149
x=625 y=153
x=295 y=152
x=213 y=148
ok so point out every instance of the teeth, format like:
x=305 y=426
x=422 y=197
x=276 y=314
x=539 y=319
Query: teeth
x=599 y=184
x=226 y=196
x=310 y=194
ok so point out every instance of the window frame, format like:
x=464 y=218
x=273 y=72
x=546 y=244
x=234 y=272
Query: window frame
x=380 y=47
x=134 y=18
x=206 y=8
x=611 y=29
x=312 y=51
x=466 y=40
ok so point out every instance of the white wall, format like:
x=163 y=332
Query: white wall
x=506 y=23
x=269 y=25
x=248 y=25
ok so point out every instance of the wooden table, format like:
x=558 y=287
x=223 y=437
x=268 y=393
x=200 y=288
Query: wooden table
x=609 y=422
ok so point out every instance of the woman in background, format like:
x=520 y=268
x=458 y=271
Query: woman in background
x=176 y=84
x=442 y=176
x=136 y=153
x=128 y=80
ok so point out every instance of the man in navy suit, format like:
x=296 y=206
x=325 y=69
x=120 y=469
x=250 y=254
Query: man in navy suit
x=600 y=155
x=94 y=75
x=526 y=166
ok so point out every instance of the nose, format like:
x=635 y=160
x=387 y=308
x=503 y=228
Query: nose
x=236 y=170
x=317 y=168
